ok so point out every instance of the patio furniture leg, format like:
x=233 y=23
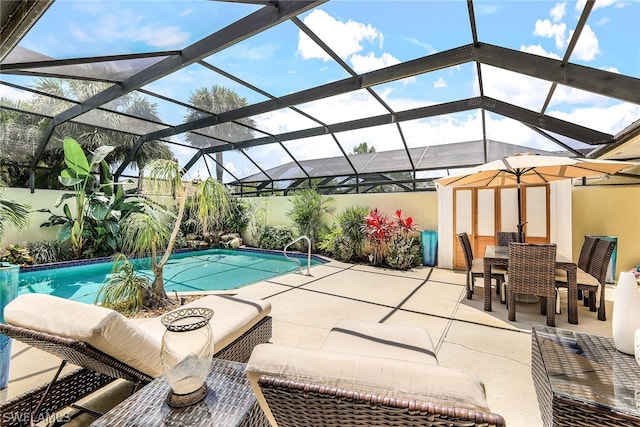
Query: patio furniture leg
x=36 y=410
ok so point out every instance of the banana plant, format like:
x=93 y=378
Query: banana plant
x=79 y=175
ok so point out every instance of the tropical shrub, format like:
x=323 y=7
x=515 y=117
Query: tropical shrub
x=346 y=240
x=123 y=290
x=238 y=218
x=93 y=227
x=308 y=213
x=17 y=255
x=12 y=213
x=157 y=229
x=274 y=237
x=404 y=253
x=391 y=240
x=352 y=222
x=337 y=245
x=46 y=252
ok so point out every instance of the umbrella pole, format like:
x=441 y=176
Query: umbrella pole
x=520 y=224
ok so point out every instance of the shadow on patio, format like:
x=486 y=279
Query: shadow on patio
x=304 y=308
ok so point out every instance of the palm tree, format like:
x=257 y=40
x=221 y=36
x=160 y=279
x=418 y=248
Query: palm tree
x=363 y=148
x=148 y=233
x=217 y=100
x=12 y=213
x=91 y=137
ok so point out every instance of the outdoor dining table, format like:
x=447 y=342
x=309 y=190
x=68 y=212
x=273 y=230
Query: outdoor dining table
x=498 y=256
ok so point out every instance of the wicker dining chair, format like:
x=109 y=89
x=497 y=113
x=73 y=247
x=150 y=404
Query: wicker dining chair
x=475 y=268
x=532 y=271
x=506 y=237
x=584 y=262
x=592 y=281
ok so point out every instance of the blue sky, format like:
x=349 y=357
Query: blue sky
x=367 y=35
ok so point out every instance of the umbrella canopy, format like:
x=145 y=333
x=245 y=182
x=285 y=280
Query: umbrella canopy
x=531 y=169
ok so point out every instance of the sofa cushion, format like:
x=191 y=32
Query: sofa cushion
x=366 y=374
x=102 y=328
x=410 y=343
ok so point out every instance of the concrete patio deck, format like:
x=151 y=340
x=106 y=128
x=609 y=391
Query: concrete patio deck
x=304 y=308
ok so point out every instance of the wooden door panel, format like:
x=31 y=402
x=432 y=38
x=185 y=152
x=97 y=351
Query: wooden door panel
x=482 y=212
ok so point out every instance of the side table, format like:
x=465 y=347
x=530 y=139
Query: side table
x=230 y=402
x=582 y=380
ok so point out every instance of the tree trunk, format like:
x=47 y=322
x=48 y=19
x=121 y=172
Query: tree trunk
x=219 y=169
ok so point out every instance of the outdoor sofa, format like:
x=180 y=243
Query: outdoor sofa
x=107 y=346
x=366 y=374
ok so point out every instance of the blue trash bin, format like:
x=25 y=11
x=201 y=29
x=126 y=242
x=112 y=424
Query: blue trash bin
x=8 y=291
x=429 y=240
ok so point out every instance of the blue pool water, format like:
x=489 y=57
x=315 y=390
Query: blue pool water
x=209 y=270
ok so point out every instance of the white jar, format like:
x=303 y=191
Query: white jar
x=626 y=313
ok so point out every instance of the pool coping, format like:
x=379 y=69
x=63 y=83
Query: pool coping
x=88 y=261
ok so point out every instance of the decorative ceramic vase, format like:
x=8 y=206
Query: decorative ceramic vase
x=626 y=313
x=187 y=353
x=636 y=343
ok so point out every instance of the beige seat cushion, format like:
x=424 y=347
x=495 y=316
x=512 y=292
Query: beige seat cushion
x=477 y=266
x=583 y=277
x=133 y=342
x=366 y=374
x=232 y=317
x=408 y=343
x=102 y=328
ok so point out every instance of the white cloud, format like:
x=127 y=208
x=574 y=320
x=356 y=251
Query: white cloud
x=539 y=50
x=587 y=47
x=345 y=38
x=425 y=46
x=186 y=12
x=544 y=28
x=609 y=119
x=125 y=25
x=517 y=89
x=364 y=63
x=599 y=4
x=440 y=83
x=162 y=37
x=611 y=69
x=558 y=11
x=14 y=95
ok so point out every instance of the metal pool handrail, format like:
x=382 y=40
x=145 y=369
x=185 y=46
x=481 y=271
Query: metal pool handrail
x=284 y=252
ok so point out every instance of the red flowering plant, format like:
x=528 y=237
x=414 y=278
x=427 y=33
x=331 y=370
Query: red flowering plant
x=389 y=238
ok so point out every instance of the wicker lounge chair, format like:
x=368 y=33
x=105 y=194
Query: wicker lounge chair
x=106 y=346
x=366 y=374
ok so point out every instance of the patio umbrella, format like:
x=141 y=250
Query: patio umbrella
x=531 y=169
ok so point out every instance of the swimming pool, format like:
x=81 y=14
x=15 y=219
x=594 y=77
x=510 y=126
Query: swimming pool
x=207 y=270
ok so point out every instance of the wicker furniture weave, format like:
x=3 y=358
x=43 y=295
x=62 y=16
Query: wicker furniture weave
x=596 y=267
x=506 y=237
x=230 y=402
x=99 y=369
x=474 y=267
x=582 y=380
x=532 y=271
x=584 y=261
x=493 y=258
x=297 y=404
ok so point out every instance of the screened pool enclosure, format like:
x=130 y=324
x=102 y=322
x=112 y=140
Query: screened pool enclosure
x=345 y=96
